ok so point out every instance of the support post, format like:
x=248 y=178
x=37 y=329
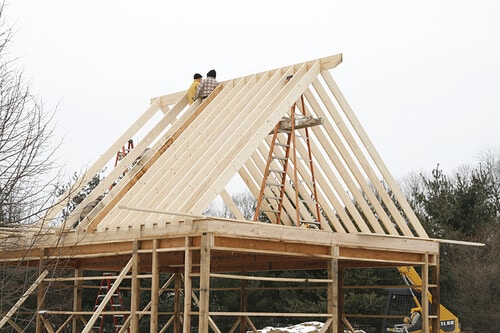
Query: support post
x=436 y=298
x=40 y=303
x=77 y=298
x=177 y=302
x=155 y=288
x=243 y=305
x=204 y=283
x=135 y=297
x=425 y=294
x=341 y=297
x=333 y=289
x=188 y=266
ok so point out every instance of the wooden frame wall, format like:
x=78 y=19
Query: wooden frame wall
x=224 y=249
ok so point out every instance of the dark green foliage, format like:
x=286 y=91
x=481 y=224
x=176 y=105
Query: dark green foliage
x=466 y=207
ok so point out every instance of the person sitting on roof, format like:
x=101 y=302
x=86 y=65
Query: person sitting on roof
x=207 y=85
x=192 y=89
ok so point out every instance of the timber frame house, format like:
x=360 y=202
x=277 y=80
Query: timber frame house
x=337 y=207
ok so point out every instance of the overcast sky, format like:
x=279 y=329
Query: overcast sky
x=423 y=77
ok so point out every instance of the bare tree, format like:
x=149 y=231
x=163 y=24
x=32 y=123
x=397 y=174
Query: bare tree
x=27 y=169
x=25 y=148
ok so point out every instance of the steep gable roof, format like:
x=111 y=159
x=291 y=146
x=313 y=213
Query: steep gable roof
x=190 y=153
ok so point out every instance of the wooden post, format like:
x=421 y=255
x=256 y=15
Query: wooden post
x=135 y=292
x=40 y=304
x=177 y=302
x=341 y=296
x=243 y=305
x=204 y=283
x=425 y=294
x=188 y=266
x=77 y=298
x=436 y=298
x=155 y=288
x=333 y=290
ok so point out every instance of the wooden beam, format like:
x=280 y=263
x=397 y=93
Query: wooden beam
x=188 y=264
x=396 y=191
x=77 y=297
x=204 y=305
x=155 y=288
x=177 y=302
x=333 y=289
x=180 y=129
x=135 y=298
x=425 y=295
x=40 y=301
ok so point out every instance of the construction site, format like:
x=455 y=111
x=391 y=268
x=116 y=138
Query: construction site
x=325 y=201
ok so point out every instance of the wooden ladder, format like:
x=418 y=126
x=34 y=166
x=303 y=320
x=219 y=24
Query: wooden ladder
x=283 y=156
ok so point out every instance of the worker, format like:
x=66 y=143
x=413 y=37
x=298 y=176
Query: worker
x=207 y=85
x=192 y=89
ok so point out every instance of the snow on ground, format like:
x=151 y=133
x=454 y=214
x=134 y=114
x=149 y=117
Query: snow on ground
x=307 y=327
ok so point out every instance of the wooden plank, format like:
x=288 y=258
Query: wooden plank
x=151 y=190
x=99 y=164
x=419 y=230
x=425 y=294
x=77 y=296
x=42 y=290
x=326 y=63
x=361 y=179
x=46 y=323
x=231 y=205
x=213 y=161
x=188 y=267
x=92 y=225
x=266 y=278
x=307 y=121
x=236 y=152
x=23 y=298
x=141 y=151
x=344 y=165
x=155 y=288
x=204 y=304
x=135 y=289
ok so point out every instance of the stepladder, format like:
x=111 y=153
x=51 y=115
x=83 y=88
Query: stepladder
x=113 y=317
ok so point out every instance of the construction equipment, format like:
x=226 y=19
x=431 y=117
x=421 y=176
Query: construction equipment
x=413 y=323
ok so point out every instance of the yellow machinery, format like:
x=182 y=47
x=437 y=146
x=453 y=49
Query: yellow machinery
x=413 y=323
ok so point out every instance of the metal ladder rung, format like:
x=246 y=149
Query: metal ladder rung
x=277 y=171
x=281 y=158
x=274 y=184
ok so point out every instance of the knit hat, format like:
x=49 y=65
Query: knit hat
x=197 y=76
x=212 y=73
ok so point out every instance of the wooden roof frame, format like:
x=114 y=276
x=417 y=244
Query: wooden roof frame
x=147 y=214
x=187 y=157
